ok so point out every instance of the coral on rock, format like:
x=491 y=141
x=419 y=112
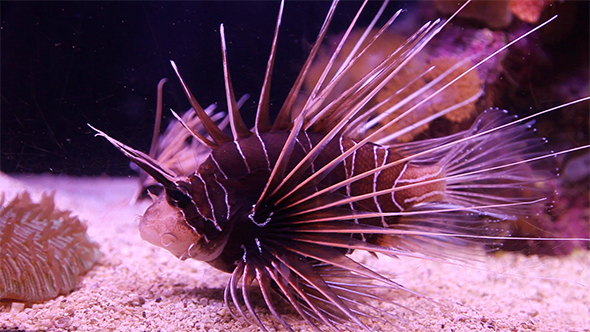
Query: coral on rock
x=437 y=62
x=43 y=250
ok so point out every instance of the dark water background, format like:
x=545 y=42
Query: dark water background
x=65 y=64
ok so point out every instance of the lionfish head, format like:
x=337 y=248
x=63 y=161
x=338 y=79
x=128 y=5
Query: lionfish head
x=164 y=225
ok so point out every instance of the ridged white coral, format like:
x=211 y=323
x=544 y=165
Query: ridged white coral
x=43 y=250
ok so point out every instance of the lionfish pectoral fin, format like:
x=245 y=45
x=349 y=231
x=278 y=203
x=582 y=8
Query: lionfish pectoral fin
x=331 y=308
x=265 y=283
x=494 y=173
x=151 y=166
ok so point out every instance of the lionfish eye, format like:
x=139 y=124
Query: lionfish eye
x=177 y=198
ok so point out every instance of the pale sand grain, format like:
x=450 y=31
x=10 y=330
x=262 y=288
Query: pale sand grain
x=138 y=287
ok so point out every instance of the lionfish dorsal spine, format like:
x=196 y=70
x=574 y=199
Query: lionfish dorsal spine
x=427 y=33
x=375 y=80
x=445 y=165
x=347 y=113
x=380 y=76
x=262 y=123
x=191 y=130
x=216 y=134
x=158 y=119
x=430 y=96
x=391 y=137
x=283 y=120
x=347 y=64
x=238 y=127
x=314 y=101
x=362 y=124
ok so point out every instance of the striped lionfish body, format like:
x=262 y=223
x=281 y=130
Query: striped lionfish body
x=281 y=206
x=230 y=181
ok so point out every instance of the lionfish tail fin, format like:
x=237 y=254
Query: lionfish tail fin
x=496 y=175
x=502 y=164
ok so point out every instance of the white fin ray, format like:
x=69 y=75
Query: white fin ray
x=238 y=127
x=371 y=137
x=428 y=148
x=262 y=123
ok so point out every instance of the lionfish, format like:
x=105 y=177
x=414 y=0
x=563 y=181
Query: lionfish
x=282 y=206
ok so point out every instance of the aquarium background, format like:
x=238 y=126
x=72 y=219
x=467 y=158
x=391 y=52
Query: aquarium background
x=66 y=64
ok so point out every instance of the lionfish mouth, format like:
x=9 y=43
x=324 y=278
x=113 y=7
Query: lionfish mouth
x=282 y=206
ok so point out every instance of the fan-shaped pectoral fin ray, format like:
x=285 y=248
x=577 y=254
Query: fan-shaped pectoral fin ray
x=360 y=93
x=231 y=293
x=334 y=257
x=317 y=176
x=306 y=272
x=210 y=126
x=265 y=282
x=343 y=241
x=285 y=116
x=238 y=127
x=308 y=106
x=277 y=173
x=440 y=145
x=283 y=284
x=280 y=166
x=372 y=136
x=318 y=85
x=337 y=105
x=353 y=53
x=335 y=127
x=429 y=235
x=247 y=278
x=289 y=283
x=385 y=76
x=262 y=123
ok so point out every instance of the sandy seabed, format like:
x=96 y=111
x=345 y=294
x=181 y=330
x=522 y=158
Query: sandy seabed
x=138 y=287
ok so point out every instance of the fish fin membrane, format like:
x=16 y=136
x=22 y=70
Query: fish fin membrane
x=447 y=232
x=497 y=162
